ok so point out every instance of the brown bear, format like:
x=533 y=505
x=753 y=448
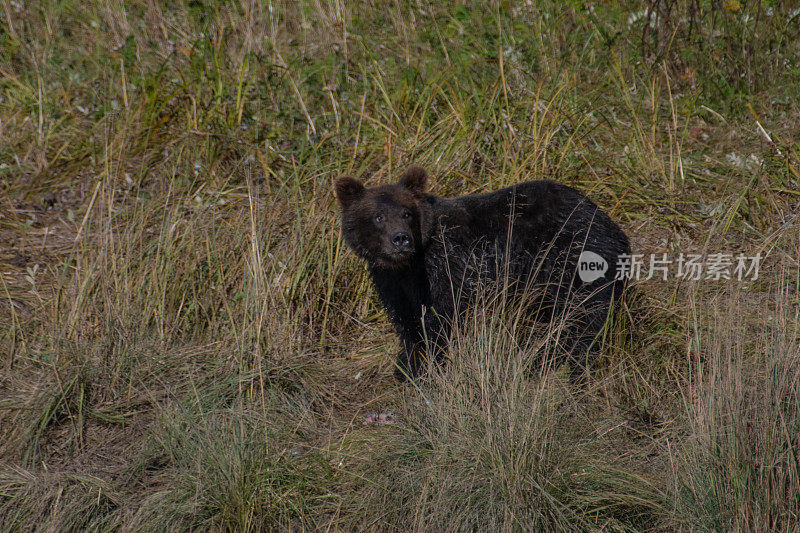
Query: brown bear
x=427 y=255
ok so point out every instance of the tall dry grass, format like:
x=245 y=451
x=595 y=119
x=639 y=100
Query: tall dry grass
x=736 y=467
x=497 y=440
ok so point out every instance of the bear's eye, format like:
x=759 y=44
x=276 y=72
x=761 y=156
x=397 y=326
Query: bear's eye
x=379 y=218
x=406 y=214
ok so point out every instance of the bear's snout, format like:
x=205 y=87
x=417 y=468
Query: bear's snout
x=401 y=240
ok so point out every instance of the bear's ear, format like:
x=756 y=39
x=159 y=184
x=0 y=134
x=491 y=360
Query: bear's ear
x=414 y=179
x=348 y=190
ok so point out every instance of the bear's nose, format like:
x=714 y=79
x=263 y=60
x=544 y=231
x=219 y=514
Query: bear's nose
x=401 y=239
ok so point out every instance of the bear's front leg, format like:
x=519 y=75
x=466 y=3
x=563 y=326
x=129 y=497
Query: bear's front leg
x=403 y=294
x=423 y=343
x=410 y=360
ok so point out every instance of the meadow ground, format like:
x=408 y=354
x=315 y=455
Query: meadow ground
x=185 y=342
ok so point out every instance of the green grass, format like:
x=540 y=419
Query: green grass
x=186 y=342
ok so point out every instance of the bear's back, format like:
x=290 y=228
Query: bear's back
x=531 y=232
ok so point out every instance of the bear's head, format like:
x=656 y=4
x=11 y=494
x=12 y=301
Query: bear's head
x=388 y=224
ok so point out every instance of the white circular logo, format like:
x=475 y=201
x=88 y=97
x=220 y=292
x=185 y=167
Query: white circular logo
x=591 y=266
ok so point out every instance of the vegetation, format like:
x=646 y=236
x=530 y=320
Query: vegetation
x=185 y=342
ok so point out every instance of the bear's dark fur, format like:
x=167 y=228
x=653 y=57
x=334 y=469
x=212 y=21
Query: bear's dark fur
x=427 y=255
